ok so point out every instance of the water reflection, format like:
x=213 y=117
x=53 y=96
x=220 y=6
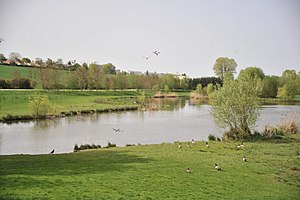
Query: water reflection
x=178 y=120
x=45 y=124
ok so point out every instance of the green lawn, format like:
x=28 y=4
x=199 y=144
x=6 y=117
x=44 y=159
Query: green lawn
x=15 y=102
x=158 y=172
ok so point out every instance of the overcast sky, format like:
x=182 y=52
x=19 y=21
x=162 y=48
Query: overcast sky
x=190 y=34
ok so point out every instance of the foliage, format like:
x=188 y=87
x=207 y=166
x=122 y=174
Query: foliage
x=211 y=137
x=39 y=104
x=210 y=90
x=289 y=84
x=224 y=65
x=2 y=57
x=269 y=87
x=253 y=73
x=235 y=106
x=157 y=172
x=204 y=81
x=199 y=89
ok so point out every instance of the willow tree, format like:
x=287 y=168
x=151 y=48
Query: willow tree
x=236 y=108
x=39 y=104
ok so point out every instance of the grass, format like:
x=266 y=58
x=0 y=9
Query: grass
x=7 y=71
x=158 y=172
x=15 y=102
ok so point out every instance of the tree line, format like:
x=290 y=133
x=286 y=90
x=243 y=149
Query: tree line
x=50 y=74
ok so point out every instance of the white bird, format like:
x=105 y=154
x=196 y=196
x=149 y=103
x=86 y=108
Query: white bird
x=156 y=52
x=217 y=167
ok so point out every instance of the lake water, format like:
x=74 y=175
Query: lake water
x=179 y=120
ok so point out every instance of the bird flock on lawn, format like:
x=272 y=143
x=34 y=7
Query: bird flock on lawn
x=216 y=166
x=154 y=52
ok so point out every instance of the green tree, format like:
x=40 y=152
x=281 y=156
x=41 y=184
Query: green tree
x=2 y=57
x=94 y=73
x=199 y=89
x=210 y=90
x=39 y=104
x=269 y=87
x=109 y=69
x=26 y=60
x=223 y=66
x=252 y=72
x=235 y=106
x=290 y=84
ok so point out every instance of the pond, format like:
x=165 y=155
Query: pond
x=178 y=120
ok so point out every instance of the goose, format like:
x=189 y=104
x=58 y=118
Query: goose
x=244 y=159
x=242 y=145
x=193 y=141
x=217 y=167
x=189 y=170
x=52 y=152
x=206 y=144
x=179 y=145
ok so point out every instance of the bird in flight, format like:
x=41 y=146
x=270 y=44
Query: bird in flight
x=1 y=40
x=117 y=130
x=147 y=57
x=156 y=52
x=52 y=152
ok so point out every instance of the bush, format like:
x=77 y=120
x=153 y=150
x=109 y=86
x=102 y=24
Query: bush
x=211 y=137
x=76 y=148
x=109 y=145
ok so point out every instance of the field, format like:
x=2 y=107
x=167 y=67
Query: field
x=158 y=172
x=15 y=102
x=7 y=71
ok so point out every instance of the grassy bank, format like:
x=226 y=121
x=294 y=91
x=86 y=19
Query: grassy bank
x=15 y=102
x=158 y=172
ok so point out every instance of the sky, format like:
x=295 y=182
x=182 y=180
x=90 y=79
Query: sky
x=189 y=34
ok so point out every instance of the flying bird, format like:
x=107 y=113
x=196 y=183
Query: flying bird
x=117 y=130
x=156 y=52
x=52 y=152
x=147 y=58
x=1 y=40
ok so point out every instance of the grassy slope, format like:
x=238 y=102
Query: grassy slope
x=157 y=172
x=6 y=71
x=15 y=102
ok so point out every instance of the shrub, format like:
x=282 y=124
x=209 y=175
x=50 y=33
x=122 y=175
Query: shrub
x=289 y=124
x=211 y=137
x=110 y=145
x=76 y=148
